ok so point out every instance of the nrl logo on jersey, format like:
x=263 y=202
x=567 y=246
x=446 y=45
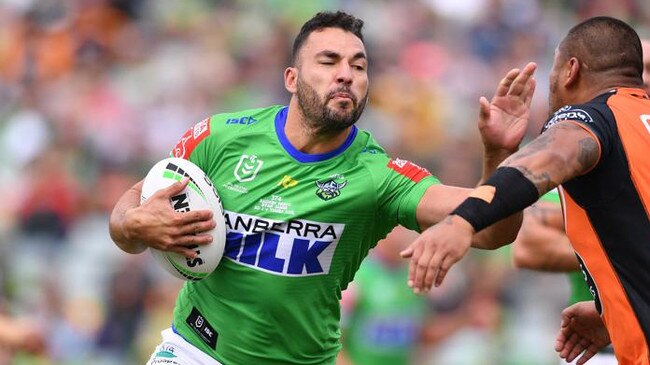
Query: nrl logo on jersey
x=331 y=187
x=247 y=168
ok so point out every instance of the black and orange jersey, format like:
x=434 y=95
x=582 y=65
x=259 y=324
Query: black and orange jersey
x=607 y=215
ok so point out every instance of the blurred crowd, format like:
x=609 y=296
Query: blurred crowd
x=93 y=92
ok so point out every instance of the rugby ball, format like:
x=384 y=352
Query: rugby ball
x=199 y=194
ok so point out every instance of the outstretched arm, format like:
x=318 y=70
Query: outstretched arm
x=134 y=227
x=502 y=123
x=564 y=151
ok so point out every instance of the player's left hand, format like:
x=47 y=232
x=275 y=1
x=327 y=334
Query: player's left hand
x=503 y=120
x=436 y=250
x=582 y=332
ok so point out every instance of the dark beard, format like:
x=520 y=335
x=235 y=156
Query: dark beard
x=321 y=119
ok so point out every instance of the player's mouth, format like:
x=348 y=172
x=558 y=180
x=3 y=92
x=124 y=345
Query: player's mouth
x=343 y=96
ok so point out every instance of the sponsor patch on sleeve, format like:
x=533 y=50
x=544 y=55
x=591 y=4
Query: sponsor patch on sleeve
x=191 y=139
x=568 y=112
x=408 y=169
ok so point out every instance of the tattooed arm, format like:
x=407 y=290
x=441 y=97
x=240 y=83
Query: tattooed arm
x=564 y=151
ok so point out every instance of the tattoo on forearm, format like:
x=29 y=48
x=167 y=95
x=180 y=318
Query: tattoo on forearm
x=542 y=181
x=536 y=145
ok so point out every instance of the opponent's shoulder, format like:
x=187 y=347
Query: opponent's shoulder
x=219 y=128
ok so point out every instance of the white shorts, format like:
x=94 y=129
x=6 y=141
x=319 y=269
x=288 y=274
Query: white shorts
x=175 y=350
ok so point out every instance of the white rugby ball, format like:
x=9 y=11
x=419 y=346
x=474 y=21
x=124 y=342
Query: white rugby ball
x=199 y=194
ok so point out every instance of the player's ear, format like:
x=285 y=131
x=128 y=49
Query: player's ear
x=291 y=79
x=573 y=70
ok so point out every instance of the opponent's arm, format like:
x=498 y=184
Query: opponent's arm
x=542 y=243
x=502 y=123
x=564 y=151
x=134 y=227
x=440 y=200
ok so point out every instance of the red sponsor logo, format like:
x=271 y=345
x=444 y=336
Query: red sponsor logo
x=191 y=139
x=408 y=169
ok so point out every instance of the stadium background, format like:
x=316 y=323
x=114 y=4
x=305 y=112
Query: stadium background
x=92 y=92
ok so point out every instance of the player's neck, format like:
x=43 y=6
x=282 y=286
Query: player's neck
x=594 y=88
x=306 y=139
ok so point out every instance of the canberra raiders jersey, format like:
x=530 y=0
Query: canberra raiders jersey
x=299 y=226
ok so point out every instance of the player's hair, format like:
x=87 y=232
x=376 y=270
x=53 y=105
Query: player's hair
x=326 y=19
x=605 y=44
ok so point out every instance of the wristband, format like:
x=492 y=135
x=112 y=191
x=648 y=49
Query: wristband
x=506 y=192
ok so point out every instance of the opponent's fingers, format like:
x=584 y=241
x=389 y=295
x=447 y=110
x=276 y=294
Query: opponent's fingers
x=529 y=91
x=562 y=336
x=519 y=83
x=588 y=354
x=197 y=227
x=446 y=264
x=579 y=348
x=407 y=252
x=416 y=251
x=427 y=262
x=569 y=347
x=483 y=108
x=431 y=275
x=504 y=84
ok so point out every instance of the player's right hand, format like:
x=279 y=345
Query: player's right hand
x=155 y=223
x=434 y=252
x=582 y=332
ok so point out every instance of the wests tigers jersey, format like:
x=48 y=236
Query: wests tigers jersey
x=607 y=215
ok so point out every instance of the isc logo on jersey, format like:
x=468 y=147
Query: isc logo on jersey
x=293 y=248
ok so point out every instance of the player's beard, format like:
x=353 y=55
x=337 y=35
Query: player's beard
x=322 y=119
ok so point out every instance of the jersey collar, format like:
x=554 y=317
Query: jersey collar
x=281 y=121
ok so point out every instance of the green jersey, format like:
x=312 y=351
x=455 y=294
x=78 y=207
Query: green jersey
x=579 y=288
x=298 y=227
x=385 y=323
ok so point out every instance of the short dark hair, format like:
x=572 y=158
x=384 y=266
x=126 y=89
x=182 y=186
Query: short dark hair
x=327 y=19
x=605 y=44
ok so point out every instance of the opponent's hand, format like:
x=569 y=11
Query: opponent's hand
x=436 y=250
x=503 y=120
x=582 y=330
x=156 y=224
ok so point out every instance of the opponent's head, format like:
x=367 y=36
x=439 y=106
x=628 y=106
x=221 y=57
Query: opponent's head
x=645 y=45
x=328 y=75
x=596 y=54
